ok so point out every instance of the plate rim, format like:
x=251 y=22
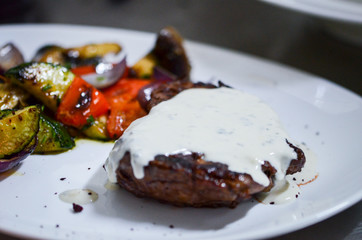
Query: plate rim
x=304 y=7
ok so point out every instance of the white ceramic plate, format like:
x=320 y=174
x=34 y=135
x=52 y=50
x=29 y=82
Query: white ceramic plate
x=344 y=10
x=324 y=116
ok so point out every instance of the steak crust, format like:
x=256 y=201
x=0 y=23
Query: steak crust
x=189 y=180
x=168 y=90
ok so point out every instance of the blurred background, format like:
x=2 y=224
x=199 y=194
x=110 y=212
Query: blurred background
x=322 y=46
x=325 y=43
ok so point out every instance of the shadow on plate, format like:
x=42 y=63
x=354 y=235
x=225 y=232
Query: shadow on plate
x=10 y=172
x=125 y=206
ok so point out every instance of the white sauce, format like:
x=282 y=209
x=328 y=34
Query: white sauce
x=283 y=191
x=226 y=125
x=78 y=196
x=111 y=186
x=287 y=190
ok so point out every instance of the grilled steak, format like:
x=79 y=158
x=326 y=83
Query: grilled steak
x=168 y=90
x=189 y=180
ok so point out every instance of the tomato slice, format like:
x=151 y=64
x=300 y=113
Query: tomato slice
x=125 y=108
x=81 y=102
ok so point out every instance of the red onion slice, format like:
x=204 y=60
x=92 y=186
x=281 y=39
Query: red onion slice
x=106 y=74
x=10 y=56
x=162 y=74
x=160 y=77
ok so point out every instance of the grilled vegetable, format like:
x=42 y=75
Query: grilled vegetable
x=52 y=136
x=18 y=128
x=106 y=74
x=171 y=54
x=125 y=107
x=14 y=159
x=81 y=103
x=167 y=53
x=45 y=81
x=18 y=131
x=73 y=100
x=10 y=56
x=93 y=50
x=144 y=67
x=12 y=97
x=97 y=128
x=89 y=54
x=5 y=112
x=50 y=54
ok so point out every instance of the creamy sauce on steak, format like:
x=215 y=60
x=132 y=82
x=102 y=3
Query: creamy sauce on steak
x=226 y=125
x=288 y=189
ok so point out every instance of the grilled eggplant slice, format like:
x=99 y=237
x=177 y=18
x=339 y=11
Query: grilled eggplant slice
x=167 y=53
x=50 y=54
x=93 y=50
x=52 y=136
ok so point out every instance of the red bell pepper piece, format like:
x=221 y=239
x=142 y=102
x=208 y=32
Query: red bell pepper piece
x=81 y=102
x=81 y=70
x=125 y=108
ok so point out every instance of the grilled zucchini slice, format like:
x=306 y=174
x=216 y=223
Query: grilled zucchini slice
x=18 y=129
x=52 y=136
x=45 y=81
x=97 y=129
x=144 y=67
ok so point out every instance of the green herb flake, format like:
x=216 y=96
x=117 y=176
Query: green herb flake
x=90 y=120
x=46 y=87
x=58 y=101
x=100 y=79
x=68 y=66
